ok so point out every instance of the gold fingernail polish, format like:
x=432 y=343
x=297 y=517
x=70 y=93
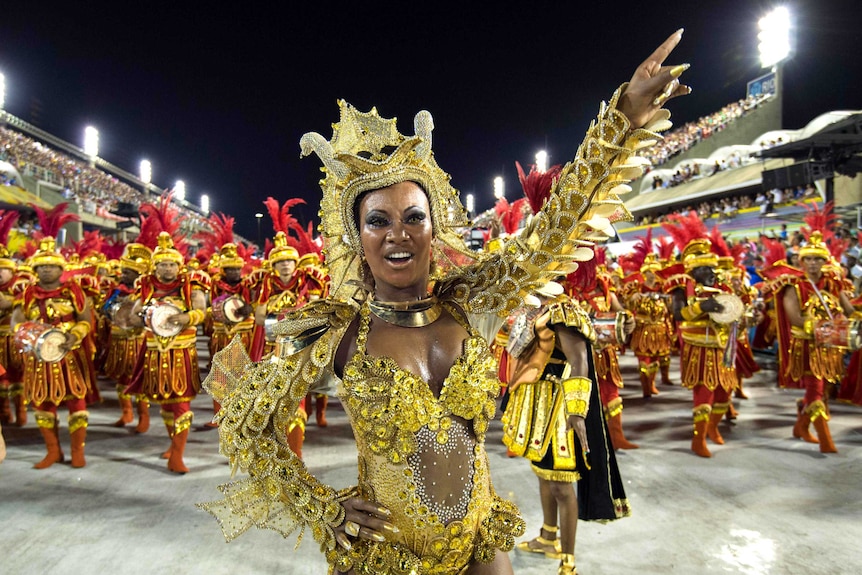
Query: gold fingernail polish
x=677 y=71
x=378 y=537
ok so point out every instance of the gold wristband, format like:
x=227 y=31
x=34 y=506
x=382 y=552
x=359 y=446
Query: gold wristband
x=80 y=330
x=576 y=392
x=808 y=326
x=196 y=317
x=690 y=312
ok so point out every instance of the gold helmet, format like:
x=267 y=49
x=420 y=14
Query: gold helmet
x=229 y=258
x=6 y=261
x=136 y=257
x=651 y=263
x=698 y=253
x=165 y=251
x=47 y=255
x=815 y=248
x=282 y=251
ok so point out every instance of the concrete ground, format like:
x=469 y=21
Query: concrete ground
x=764 y=504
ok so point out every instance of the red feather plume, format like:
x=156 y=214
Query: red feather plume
x=165 y=217
x=666 y=246
x=52 y=220
x=113 y=248
x=537 y=185
x=775 y=251
x=719 y=245
x=282 y=221
x=684 y=228
x=8 y=219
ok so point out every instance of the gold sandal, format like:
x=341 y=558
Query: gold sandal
x=567 y=565
x=549 y=547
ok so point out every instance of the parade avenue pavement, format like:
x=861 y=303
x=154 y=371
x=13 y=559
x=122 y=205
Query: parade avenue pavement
x=763 y=504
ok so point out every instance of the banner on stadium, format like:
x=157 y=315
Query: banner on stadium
x=763 y=86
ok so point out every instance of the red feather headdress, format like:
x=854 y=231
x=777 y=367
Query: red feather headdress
x=53 y=220
x=162 y=217
x=685 y=228
x=537 y=185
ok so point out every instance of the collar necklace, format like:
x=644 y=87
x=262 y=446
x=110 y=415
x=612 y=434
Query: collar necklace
x=417 y=313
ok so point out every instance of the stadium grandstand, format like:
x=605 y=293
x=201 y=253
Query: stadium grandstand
x=39 y=168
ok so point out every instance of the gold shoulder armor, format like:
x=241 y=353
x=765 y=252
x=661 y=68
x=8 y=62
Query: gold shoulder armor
x=571 y=315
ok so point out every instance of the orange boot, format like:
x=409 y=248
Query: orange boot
x=178 y=443
x=718 y=411
x=143 y=415
x=5 y=410
x=803 y=421
x=78 y=429
x=321 y=401
x=296 y=437
x=698 y=441
x=168 y=418
x=820 y=417
x=48 y=426
x=127 y=416
x=665 y=373
x=615 y=426
x=648 y=384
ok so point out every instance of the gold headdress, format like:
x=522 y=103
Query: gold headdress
x=136 y=257
x=282 y=251
x=358 y=159
x=47 y=255
x=229 y=258
x=6 y=261
x=165 y=251
x=815 y=248
x=698 y=253
x=651 y=263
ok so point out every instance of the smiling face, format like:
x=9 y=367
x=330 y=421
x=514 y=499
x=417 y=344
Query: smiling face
x=396 y=233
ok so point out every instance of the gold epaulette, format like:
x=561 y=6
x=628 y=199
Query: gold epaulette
x=571 y=315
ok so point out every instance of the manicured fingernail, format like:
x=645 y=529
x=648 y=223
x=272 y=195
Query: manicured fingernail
x=378 y=537
x=680 y=31
x=391 y=528
x=384 y=511
x=677 y=71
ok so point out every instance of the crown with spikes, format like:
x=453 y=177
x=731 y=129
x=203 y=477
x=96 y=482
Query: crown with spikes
x=816 y=247
x=366 y=153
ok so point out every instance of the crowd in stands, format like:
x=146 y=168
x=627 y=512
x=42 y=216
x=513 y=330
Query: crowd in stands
x=683 y=138
x=726 y=208
x=694 y=170
x=95 y=191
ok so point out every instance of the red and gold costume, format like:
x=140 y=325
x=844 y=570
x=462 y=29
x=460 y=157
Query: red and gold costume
x=223 y=333
x=704 y=346
x=850 y=390
x=652 y=338
x=803 y=362
x=167 y=368
x=69 y=381
x=127 y=341
x=11 y=388
x=317 y=288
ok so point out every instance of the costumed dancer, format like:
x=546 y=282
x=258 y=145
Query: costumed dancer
x=317 y=287
x=171 y=306
x=643 y=296
x=850 y=390
x=60 y=371
x=417 y=379
x=11 y=287
x=127 y=340
x=812 y=308
x=706 y=355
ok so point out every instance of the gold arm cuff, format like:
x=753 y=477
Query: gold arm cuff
x=576 y=392
x=692 y=311
x=808 y=326
x=80 y=330
x=196 y=317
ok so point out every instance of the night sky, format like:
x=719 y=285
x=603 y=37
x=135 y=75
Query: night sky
x=220 y=99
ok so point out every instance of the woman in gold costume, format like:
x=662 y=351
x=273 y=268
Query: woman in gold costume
x=397 y=338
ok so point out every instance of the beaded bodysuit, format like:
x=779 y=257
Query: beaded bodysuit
x=423 y=457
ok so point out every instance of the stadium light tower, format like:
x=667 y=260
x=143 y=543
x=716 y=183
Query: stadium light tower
x=542 y=161
x=470 y=204
x=146 y=172
x=91 y=142
x=774 y=37
x=180 y=190
x=259 y=216
x=499 y=188
x=205 y=203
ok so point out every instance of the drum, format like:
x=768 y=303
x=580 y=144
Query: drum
x=226 y=309
x=268 y=325
x=839 y=333
x=40 y=339
x=732 y=311
x=157 y=315
x=610 y=328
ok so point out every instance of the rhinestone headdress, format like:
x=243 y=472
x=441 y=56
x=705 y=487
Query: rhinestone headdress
x=366 y=153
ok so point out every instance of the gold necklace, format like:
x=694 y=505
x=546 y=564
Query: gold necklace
x=418 y=313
